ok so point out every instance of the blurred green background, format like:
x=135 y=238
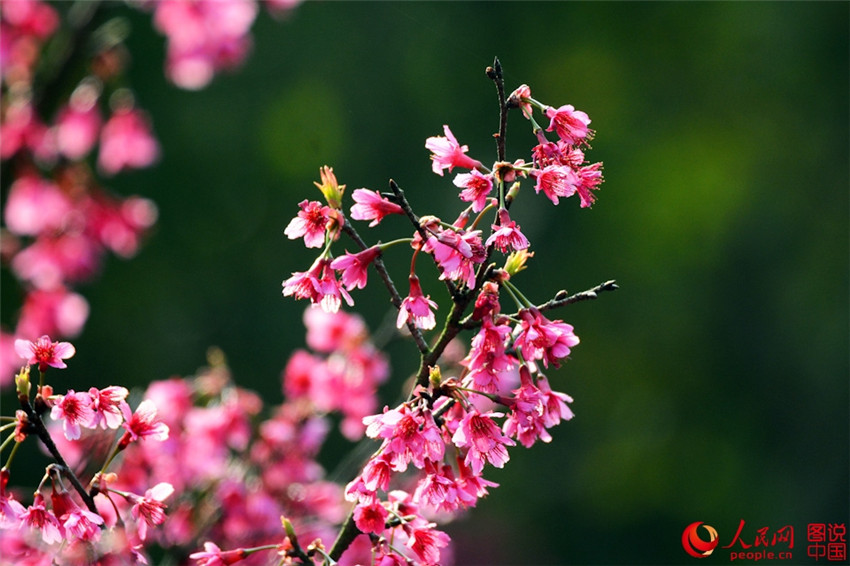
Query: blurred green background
x=713 y=386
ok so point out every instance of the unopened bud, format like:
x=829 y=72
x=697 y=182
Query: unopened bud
x=435 y=376
x=517 y=260
x=330 y=188
x=22 y=383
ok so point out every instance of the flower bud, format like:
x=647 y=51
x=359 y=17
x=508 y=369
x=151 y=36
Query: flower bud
x=435 y=377
x=22 y=383
x=516 y=261
x=330 y=188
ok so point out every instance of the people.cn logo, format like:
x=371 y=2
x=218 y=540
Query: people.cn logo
x=696 y=546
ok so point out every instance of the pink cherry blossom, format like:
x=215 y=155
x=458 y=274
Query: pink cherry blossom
x=310 y=223
x=126 y=142
x=319 y=284
x=458 y=253
x=73 y=409
x=82 y=524
x=483 y=439
x=426 y=542
x=354 y=266
x=543 y=339
x=142 y=423
x=150 y=509
x=106 y=404
x=556 y=181
x=446 y=153
x=370 y=205
x=38 y=517
x=476 y=188
x=506 y=235
x=416 y=308
x=569 y=123
x=590 y=177
x=44 y=352
x=410 y=436
x=370 y=517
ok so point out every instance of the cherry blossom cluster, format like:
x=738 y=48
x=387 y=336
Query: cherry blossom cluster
x=67 y=522
x=58 y=219
x=458 y=419
x=224 y=469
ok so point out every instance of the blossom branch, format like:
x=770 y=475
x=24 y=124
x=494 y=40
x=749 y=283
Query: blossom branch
x=41 y=431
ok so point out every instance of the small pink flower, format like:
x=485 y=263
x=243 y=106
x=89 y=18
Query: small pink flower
x=543 y=339
x=569 y=123
x=438 y=489
x=106 y=404
x=214 y=556
x=458 y=253
x=354 y=266
x=319 y=284
x=448 y=154
x=82 y=524
x=520 y=98
x=370 y=517
x=476 y=188
x=310 y=223
x=556 y=181
x=370 y=205
x=126 y=142
x=73 y=409
x=142 y=423
x=150 y=508
x=426 y=542
x=410 y=436
x=480 y=435
x=416 y=308
x=377 y=473
x=38 y=517
x=506 y=235
x=590 y=177
x=44 y=352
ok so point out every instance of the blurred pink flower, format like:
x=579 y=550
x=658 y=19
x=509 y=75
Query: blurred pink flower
x=126 y=142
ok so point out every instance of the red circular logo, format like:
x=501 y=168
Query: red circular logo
x=694 y=545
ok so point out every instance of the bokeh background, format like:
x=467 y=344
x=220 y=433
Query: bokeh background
x=713 y=386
